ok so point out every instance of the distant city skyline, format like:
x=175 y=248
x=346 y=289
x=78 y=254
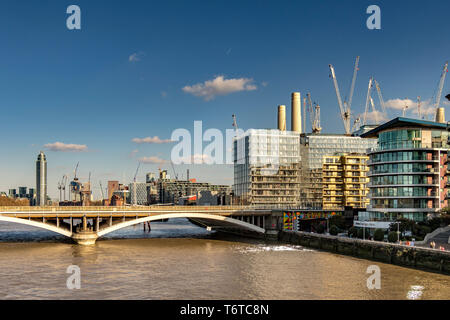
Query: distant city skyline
x=113 y=92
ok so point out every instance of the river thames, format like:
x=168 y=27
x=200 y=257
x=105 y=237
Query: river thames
x=178 y=260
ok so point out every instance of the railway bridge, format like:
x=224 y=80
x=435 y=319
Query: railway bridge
x=85 y=224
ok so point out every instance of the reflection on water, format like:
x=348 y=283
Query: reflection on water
x=177 y=260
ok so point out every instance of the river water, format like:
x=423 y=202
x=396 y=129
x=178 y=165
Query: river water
x=178 y=260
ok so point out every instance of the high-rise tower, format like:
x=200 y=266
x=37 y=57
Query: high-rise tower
x=41 y=180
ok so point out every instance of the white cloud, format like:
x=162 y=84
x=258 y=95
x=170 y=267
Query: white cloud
x=376 y=117
x=66 y=147
x=154 y=139
x=427 y=107
x=135 y=57
x=219 y=86
x=153 y=160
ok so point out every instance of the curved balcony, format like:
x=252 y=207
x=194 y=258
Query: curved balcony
x=371 y=163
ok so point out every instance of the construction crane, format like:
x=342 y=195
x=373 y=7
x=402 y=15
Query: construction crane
x=352 y=88
x=380 y=97
x=314 y=114
x=404 y=108
x=345 y=108
x=61 y=187
x=356 y=122
x=441 y=85
x=375 y=112
x=368 y=98
x=418 y=106
x=173 y=168
x=235 y=124
x=101 y=189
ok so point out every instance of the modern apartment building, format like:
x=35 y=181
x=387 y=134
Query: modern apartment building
x=313 y=149
x=267 y=168
x=345 y=181
x=408 y=171
x=138 y=193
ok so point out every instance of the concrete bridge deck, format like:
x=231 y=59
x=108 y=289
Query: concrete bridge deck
x=75 y=222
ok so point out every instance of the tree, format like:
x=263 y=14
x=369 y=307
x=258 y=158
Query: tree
x=334 y=230
x=338 y=221
x=378 y=235
x=392 y=236
x=10 y=202
x=320 y=228
x=352 y=232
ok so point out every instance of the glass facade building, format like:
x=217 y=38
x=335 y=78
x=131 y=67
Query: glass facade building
x=408 y=170
x=266 y=168
x=314 y=148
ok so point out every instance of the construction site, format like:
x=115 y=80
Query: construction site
x=315 y=170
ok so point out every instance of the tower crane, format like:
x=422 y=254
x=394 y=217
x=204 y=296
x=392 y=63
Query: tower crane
x=101 y=189
x=63 y=185
x=356 y=122
x=374 y=111
x=60 y=186
x=345 y=108
x=404 y=108
x=441 y=85
x=418 y=106
x=235 y=124
x=352 y=87
x=173 y=168
x=75 y=172
x=380 y=97
x=368 y=98
x=314 y=113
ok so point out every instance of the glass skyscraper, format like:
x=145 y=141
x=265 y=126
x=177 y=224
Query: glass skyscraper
x=41 y=180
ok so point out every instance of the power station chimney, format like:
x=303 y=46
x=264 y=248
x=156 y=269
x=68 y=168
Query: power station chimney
x=440 y=115
x=282 y=118
x=296 y=117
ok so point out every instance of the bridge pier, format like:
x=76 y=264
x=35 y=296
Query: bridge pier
x=85 y=238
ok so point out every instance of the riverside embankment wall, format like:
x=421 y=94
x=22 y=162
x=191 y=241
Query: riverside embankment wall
x=415 y=257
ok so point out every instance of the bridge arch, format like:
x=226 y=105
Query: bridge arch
x=37 y=225
x=227 y=220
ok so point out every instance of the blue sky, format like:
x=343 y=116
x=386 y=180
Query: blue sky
x=84 y=87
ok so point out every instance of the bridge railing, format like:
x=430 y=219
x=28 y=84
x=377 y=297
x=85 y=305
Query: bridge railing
x=118 y=209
